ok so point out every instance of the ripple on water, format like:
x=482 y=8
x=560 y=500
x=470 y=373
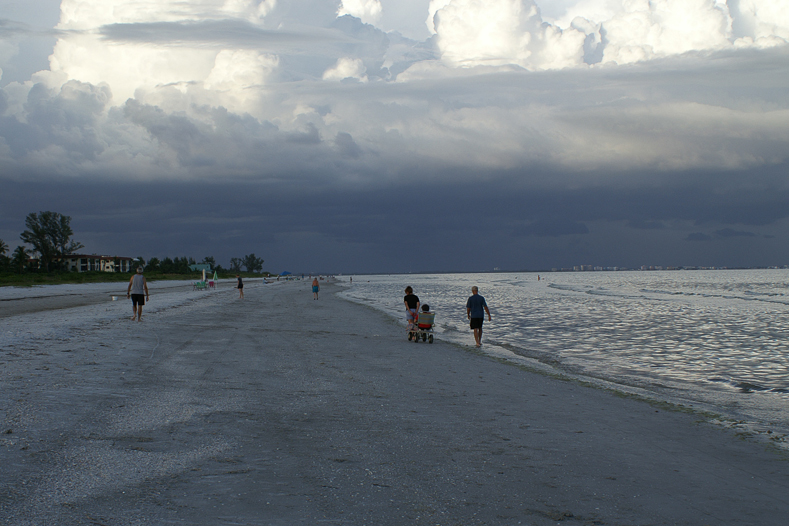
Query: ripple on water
x=717 y=336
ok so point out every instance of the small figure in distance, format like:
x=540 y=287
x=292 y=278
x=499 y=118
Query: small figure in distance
x=476 y=306
x=138 y=291
x=411 y=302
x=315 y=288
x=240 y=287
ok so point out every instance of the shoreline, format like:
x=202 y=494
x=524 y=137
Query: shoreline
x=773 y=436
x=283 y=410
x=739 y=412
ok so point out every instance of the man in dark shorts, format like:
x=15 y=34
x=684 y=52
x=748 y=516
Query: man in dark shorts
x=138 y=291
x=476 y=307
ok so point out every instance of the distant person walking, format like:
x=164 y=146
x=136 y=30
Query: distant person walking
x=476 y=307
x=411 y=302
x=138 y=291
x=315 y=288
x=240 y=287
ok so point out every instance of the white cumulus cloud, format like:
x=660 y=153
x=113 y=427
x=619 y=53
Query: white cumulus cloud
x=499 y=32
x=130 y=66
x=209 y=87
x=240 y=68
x=432 y=8
x=368 y=11
x=89 y=14
x=347 y=67
x=647 y=29
x=764 y=23
x=250 y=9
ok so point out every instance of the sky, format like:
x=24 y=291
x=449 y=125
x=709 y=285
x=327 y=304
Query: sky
x=386 y=136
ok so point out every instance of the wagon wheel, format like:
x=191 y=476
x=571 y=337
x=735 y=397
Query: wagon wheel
x=430 y=339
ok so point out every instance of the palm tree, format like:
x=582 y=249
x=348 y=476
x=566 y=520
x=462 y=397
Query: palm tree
x=19 y=259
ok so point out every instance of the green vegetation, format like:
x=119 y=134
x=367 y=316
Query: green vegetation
x=49 y=235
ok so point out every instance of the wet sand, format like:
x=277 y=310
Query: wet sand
x=282 y=410
x=43 y=298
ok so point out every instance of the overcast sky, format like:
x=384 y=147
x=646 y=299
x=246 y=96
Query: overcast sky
x=402 y=135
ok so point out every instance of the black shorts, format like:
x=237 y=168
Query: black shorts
x=476 y=323
x=138 y=299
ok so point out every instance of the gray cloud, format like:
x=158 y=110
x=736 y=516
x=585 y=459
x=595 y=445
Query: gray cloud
x=644 y=224
x=698 y=236
x=12 y=28
x=347 y=145
x=302 y=223
x=552 y=228
x=604 y=165
x=235 y=33
x=730 y=232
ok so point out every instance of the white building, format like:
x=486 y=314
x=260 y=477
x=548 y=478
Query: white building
x=87 y=263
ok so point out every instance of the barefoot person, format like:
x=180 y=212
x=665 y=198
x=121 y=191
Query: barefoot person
x=138 y=291
x=240 y=287
x=476 y=307
x=411 y=302
x=315 y=288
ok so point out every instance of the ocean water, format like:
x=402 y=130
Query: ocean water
x=715 y=340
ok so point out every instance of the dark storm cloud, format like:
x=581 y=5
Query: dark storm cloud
x=644 y=224
x=395 y=161
x=552 y=228
x=250 y=186
x=301 y=224
x=729 y=232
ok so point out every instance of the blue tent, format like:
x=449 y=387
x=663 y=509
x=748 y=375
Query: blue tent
x=286 y=273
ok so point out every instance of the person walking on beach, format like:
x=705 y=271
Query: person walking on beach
x=138 y=291
x=240 y=287
x=476 y=307
x=411 y=302
x=315 y=288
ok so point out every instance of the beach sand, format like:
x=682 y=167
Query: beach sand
x=281 y=410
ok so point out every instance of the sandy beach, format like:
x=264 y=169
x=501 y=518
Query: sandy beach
x=281 y=410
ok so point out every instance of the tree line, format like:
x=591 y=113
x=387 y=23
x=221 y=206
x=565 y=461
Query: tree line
x=50 y=236
x=49 y=233
x=181 y=265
